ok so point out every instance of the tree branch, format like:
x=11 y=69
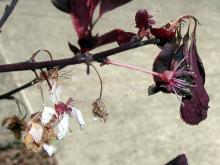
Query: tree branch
x=12 y=92
x=98 y=57
x=7 y=13
x=30 y=65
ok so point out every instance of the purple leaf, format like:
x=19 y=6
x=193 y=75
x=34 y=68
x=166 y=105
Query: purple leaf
x=117 y=35
x=162 y=33
x=63 y=5
x=73 y=48
x=194 y=109
x=179 y=160
x=80 y=15
x=92 y=4
x=107 y=5
x=124 y=37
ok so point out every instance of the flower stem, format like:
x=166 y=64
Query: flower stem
x=134 y=68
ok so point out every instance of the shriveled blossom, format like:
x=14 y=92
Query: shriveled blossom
x=14 y=124
x=40 y=135
x=51 y=124
x=99 y=111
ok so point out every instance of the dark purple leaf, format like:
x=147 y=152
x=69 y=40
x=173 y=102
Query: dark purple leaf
x=162 y=33
x=73 y=48
x=88 y=43
x=109 y=37
x=194 y=109
x=124 y=37
x=107 y=5
x=63 y=5
x=92 y=4
x=80 y=15
x=179 y=160
x=117 y=35
x=82 y=12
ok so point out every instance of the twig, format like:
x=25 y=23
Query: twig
x=64 y=62
x=100 y=80
x=29 y=65
x=7 y=13
x=12 y=92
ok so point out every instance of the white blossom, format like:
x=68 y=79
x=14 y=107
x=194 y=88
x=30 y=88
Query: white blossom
x=63 y=126
x=78 y=116
x=47 y=115
x=55 y=93
x=50 y=149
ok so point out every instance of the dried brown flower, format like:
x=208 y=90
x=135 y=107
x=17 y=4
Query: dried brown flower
x=98 y=110
x=14 y=124
x=50 y=74
x=37 y=134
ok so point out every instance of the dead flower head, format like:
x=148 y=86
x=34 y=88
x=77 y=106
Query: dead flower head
x=38 y=135
x=49 y=75
x=14 y=124
x=98 y=110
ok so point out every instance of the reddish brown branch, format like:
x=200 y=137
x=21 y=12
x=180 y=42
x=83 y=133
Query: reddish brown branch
x=98 y=57
x=30 y=65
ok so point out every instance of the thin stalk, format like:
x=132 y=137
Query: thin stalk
x=134 y=68
x=100 y=79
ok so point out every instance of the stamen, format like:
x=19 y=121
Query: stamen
x=182 y=69
x=177 y=96
x=179 y=64
x=182 y=82
x=181 y=88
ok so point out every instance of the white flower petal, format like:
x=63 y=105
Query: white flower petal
x=47 y=115
x=63 y=126
x=50 y=149
x=55 y=93
x=79 y=117
x=36 y=131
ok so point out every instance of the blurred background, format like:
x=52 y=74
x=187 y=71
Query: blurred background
x=140 y=129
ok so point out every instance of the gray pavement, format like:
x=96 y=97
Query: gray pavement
x=140 y=129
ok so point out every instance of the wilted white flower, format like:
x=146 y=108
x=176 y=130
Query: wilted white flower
x=55 y=93
x=78 y=116
x=63 y=126
x=47 y=115
x=50 y=149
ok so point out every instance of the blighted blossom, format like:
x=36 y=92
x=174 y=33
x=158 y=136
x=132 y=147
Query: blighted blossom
x=52 y=123
x=38 y=135
x=99 y=111
x=15 y=124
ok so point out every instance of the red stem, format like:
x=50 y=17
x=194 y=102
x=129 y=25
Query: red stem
x=134 y=68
